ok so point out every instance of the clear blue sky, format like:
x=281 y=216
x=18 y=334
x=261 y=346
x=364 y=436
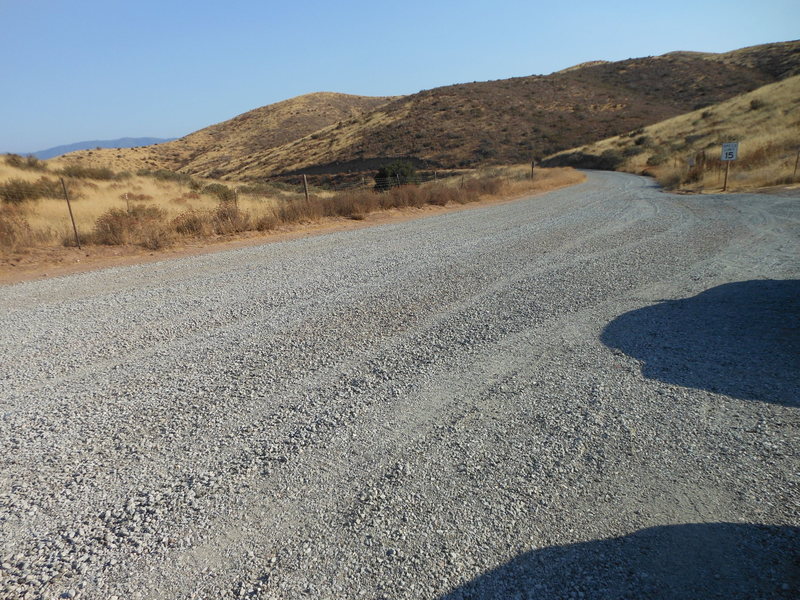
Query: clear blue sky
x=77 y=70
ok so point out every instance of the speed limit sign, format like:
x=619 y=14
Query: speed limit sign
x=730 y=150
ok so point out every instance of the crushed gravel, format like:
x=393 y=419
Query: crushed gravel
x=588 y=394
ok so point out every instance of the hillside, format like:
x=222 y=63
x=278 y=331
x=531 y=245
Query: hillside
x=207 y=152
x=466 y=125
x=685 y=151
x=516 y=119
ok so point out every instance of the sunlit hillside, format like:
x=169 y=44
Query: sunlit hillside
x=463 y=125
x=685 y=151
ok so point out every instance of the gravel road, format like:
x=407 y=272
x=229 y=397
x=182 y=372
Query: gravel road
x=592 y=393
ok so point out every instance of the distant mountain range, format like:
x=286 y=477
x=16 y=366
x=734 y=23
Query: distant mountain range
x=126 y=142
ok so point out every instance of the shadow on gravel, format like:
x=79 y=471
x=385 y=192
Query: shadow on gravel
x=741 y=339
x=704 y=560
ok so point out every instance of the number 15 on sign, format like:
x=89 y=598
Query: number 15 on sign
x=730 y=150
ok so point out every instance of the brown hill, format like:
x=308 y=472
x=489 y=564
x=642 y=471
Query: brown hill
x=515 y=119
x=471 y=124
x=780 y=60
x=209 y=151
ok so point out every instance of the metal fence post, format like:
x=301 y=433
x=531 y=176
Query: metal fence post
x=71 y=216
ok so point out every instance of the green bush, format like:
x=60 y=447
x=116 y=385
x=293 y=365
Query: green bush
x=222 y=192
x=399 y=172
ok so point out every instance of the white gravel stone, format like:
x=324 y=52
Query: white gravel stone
x=590 y=394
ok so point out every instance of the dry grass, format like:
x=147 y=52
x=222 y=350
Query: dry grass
x=153 y=213
x=765 y=122
x=48 y=219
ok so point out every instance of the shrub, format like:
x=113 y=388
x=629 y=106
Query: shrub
x=257 y=189
x=15 y=232
x=155 y=238
x=352 y=205
x=405 y=196
x=141 y=225
x=16 y=191
x=222 y=192
x=482 y=186
x=300 y=211
x=440 y=195
x=669 y=180
x=694 y=175
x=756 y=104
x=399 y=172
x=266 y=223
x=632 y=151
x=84 y=172
x=192 y=223
x=29 y=162
x=656 y=159
x=229 y=218
x=610 y=160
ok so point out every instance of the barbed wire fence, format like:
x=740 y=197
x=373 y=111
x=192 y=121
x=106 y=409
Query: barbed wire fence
x=30 y=180
x=340 y=182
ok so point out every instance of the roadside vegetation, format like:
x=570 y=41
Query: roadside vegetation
x=684 y=152
x=156 y=209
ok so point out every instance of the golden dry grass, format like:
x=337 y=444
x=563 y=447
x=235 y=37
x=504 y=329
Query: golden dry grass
x=49 y=220
x=154 y=212
x=765 y=122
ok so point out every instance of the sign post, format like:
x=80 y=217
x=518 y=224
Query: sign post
x=730 y=151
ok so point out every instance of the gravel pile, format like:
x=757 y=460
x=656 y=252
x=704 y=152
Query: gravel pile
x=588 y=394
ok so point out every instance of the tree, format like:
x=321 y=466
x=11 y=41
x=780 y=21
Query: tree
x=399 y=172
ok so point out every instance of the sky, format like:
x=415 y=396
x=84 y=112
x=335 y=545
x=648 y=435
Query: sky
x=76 y=70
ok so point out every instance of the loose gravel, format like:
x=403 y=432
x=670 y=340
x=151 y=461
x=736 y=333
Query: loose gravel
x=588 y=394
